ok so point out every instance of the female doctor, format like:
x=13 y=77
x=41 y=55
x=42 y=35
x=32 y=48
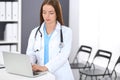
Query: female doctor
x=49 y=44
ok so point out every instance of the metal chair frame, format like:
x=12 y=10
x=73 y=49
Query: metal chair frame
x=75 y=64
x=115 y=77
x=114 y=71
x=92 y=71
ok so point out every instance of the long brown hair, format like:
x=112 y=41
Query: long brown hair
x=57 y=6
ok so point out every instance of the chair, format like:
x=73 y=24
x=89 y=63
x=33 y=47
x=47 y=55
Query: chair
x=95 y=70
x=117 y=76
x=114 y=71
x=81 y=58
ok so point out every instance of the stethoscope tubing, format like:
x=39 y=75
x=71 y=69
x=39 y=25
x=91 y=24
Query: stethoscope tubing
x=61 y=45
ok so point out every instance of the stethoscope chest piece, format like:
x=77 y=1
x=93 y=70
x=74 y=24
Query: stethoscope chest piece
x=61 y=45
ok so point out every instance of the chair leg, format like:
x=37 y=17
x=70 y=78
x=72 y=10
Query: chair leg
x=80 y=76
x=96 y=77
x=85 y=77
x=92 y=78
x=115 y=78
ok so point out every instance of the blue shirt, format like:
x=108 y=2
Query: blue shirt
x=46 y=45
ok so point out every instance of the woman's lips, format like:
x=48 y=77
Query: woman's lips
x=47 y=19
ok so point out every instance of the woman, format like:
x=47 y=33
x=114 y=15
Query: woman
x=49 y=44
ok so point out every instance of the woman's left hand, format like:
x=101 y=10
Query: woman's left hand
x=39 y=68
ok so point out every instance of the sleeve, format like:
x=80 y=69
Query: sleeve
x=62 y=57
x=30 y=48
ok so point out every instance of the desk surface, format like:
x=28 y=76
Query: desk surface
x=7 y=76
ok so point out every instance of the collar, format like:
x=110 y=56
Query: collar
x=58 y=25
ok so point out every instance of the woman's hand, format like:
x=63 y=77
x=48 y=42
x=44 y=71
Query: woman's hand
x=38 y=68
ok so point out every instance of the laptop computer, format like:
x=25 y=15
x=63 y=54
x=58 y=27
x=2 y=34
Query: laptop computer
x=19 y=64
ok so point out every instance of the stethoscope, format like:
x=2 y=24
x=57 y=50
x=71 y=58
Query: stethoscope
x=61 y=44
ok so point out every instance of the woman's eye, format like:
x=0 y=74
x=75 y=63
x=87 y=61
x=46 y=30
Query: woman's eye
x=51 y=13
x=44 y=12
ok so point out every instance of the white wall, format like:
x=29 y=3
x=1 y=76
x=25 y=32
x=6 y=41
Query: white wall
x=99 y=25
x=95 y=23
x=74 y=25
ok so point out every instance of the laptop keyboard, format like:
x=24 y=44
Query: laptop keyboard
x=36 y=73
x=39 y=73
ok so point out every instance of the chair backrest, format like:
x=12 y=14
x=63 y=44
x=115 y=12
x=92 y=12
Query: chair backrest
x=118 y=62
x=103 y=55
x=83 y=53
x=115 y=66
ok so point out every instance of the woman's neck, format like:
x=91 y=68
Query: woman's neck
x=50 y=28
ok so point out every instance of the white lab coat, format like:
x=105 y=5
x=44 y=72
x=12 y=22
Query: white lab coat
x=58 y=62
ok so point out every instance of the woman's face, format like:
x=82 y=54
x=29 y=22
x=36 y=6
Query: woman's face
x=49 y=14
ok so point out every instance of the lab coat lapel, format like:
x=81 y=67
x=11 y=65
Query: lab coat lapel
x=57 y=31
x=39 y=42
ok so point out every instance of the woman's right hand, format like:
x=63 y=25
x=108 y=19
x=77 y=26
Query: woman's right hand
x=38 y=68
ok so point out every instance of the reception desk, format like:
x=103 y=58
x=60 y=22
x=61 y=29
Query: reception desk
x=7 y=76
